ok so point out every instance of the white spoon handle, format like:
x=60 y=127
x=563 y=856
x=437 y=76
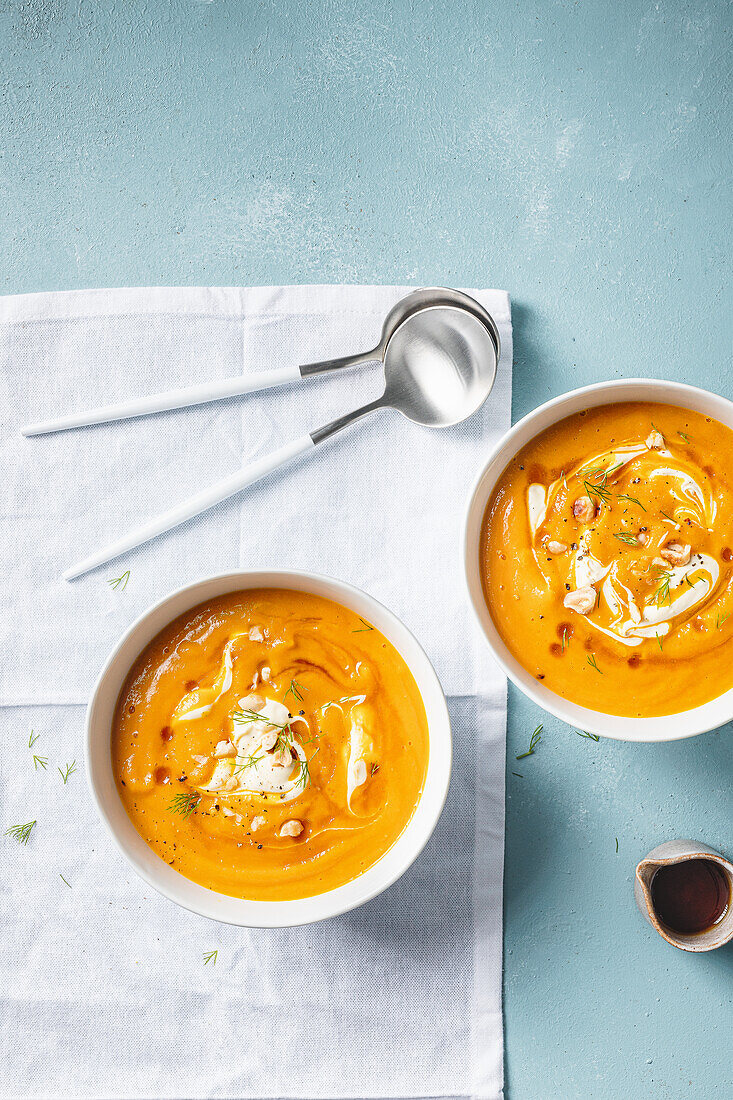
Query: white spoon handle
x=174 y=399
x=196 y=504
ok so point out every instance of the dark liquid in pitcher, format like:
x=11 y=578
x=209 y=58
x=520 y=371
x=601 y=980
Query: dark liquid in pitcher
x=690 y=896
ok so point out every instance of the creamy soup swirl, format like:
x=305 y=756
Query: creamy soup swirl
x=270 y=745
x=606 y=549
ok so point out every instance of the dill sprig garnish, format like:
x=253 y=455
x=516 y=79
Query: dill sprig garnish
x=374 y=769
x=244 y=716
x=682 y=435
x=250 y=761
x=38 y=761
x=303 y=777
x=364 y=628
x=184 y=803
x=719 y=622
x=662 y=594
x=210 y=956
x=599 y=474
x=296 y=690
x=64 y=880
x=594 y=664
x=600 y=491
x=595 y=473
x=627 y=537
x=116 y=582
x=304 y=774
x=633 y=500
x=670 y=518
x=285 y=740
x=533 y=743
x=564 y=638
x=254 y=716
x=21 y=833
x=69 y=771
x=589 y=736
x=660 y=642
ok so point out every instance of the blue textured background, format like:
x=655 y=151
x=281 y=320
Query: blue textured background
x=576 y=154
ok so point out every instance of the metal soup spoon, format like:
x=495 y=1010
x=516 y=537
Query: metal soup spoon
x=255 y=381
x=439 y=365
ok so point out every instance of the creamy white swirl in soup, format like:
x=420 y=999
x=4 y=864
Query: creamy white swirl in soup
x=606 y=557
x=270 y=744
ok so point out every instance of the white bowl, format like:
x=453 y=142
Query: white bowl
x=209 y=903
x=670 y=727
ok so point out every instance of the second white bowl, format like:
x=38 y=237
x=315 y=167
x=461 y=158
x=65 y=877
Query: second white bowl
x=669 y=727
x=266 y=914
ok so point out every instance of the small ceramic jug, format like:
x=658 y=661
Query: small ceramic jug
x=677 y=851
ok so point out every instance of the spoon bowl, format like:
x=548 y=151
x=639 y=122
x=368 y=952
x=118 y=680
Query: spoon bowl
x=440 y=365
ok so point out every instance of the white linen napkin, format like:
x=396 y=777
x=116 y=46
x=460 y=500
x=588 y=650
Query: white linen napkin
x=104 y=980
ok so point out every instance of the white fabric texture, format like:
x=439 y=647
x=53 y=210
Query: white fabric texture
x=103 y=987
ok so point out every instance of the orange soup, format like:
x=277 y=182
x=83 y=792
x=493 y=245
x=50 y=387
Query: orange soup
x=606 y=554
x=270 y=744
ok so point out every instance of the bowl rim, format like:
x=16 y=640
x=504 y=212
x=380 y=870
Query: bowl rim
x=672 y=727
x=241 y=911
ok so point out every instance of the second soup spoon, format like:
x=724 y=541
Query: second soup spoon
x=439 y=365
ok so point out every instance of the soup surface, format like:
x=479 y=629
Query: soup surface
x=606 y=555
x=270 y=744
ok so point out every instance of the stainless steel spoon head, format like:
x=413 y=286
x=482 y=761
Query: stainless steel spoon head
x=440 y=350
x=440 y=361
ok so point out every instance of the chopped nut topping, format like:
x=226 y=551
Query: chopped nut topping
x=292 y=828
x=676 y=553
x=655 y=441
x=258 y=822
x=269 y=739
x=224 y=748
x=282 y=757
x=252 y=702
x=584 y=509
x=581 y=600
x=556 y=547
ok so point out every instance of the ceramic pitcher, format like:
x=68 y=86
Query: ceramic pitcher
x=677 y=851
